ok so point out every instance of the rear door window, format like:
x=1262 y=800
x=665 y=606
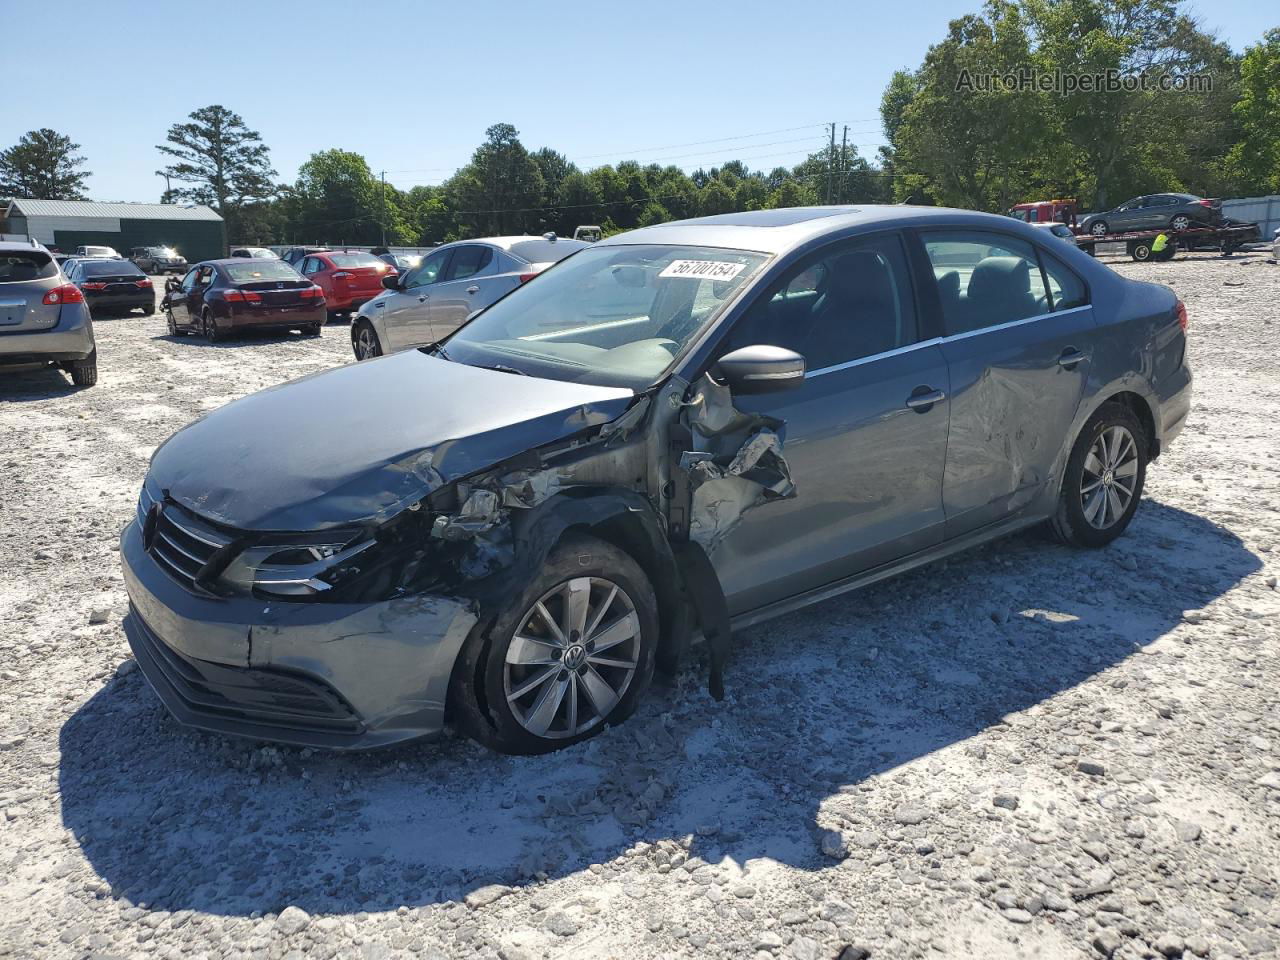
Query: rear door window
x=1066 y=290
x=468 y=261
x=21 y=266
x=985 y=279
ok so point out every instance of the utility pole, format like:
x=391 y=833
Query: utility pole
x=383 y=217
x=831 y=156
x=844 y=163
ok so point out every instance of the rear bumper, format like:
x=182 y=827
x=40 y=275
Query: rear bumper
x=1175 y=405
x=339 y=676
x=121 y=301
x=353 y=302
x=291 y=316
x=70 y=339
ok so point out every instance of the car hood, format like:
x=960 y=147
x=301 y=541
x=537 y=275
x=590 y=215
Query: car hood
x=363 y=441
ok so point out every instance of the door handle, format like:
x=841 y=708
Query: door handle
x=1071 y=357
x=473 y=289
x=921 y=402
x=422 y=298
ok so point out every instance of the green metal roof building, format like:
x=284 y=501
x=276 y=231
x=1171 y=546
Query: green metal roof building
x=197 y=233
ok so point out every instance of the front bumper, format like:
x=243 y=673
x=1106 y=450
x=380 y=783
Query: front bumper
x=341 y=676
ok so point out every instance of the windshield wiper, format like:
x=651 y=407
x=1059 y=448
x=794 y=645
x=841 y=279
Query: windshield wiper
x=500 y=367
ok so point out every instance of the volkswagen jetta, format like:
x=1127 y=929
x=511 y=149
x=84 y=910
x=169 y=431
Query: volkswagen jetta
x=681 y=430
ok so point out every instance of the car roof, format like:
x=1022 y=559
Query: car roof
x=783 y=229
x=22 y=246
x=234 y=261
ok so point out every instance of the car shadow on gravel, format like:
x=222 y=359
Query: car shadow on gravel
x=818 y=702
x=251 y=338
x=39 y=383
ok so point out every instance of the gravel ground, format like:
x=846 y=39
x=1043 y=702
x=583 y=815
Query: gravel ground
x=1025 y=752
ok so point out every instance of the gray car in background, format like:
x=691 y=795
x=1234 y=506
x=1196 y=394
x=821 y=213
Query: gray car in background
x=452 y=282
x=43 y=316
x=1157 y=211
x=710 y=422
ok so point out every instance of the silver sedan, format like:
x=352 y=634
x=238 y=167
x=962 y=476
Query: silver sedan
x=429 y=302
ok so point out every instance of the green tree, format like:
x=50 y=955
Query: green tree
x=945 y=129
x=501 y=190
x=1254 y=161
x=336 y=199
x=226 y=164
x=43 y=165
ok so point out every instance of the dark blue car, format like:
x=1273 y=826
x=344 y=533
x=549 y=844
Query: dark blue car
x=677 y=431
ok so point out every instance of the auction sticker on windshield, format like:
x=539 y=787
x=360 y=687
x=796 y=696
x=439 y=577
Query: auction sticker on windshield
x=703 y=269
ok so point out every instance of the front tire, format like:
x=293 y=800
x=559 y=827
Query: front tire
x=1104 y=478
x=571 y=655
x=1099 y=228
x=364 y=341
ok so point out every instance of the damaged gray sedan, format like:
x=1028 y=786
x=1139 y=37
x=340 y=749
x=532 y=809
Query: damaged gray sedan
x=676 y=432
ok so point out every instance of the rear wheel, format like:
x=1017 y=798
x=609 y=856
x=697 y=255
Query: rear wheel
x=1140 y=250
x=311 y=330
x=84 y=373
x=1180 y=222
x=1103 y=480
x=364 y=341
x=573 y=653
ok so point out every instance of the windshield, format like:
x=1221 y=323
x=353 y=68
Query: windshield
x=162 y=251
x=254 y=270
x=614 y=316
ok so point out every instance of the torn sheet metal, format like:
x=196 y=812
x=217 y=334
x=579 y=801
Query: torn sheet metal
x=735 y=465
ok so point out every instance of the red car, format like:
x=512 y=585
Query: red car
x=348 y=278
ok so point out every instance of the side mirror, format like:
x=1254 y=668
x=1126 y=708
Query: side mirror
x=172 y=284
x=391 y=281
x=761 y=368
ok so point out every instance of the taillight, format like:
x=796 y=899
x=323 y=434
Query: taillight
x=242 y=296
x=1205 y=203
x=144 y=282
x=312 y=293
x=526 y=277
x=1182 y=315
x=67 y=293
x=94 y=285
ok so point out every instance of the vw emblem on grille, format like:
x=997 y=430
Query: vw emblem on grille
x=151 y=524
x=279 y=286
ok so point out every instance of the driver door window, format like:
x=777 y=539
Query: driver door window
x=428 y=271
x=853 y=301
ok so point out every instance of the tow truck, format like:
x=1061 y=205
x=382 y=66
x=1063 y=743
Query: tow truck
x=1139 y=244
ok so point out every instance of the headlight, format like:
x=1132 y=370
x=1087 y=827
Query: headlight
x=297 y=569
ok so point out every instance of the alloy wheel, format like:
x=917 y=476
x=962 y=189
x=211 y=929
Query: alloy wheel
x=1180 y=222
x=1109 y=477
x=572 y=657
x=366 y=344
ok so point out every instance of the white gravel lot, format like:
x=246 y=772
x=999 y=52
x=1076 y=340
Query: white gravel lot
x=1027 y=751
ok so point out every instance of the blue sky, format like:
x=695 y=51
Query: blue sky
x=413 y=85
